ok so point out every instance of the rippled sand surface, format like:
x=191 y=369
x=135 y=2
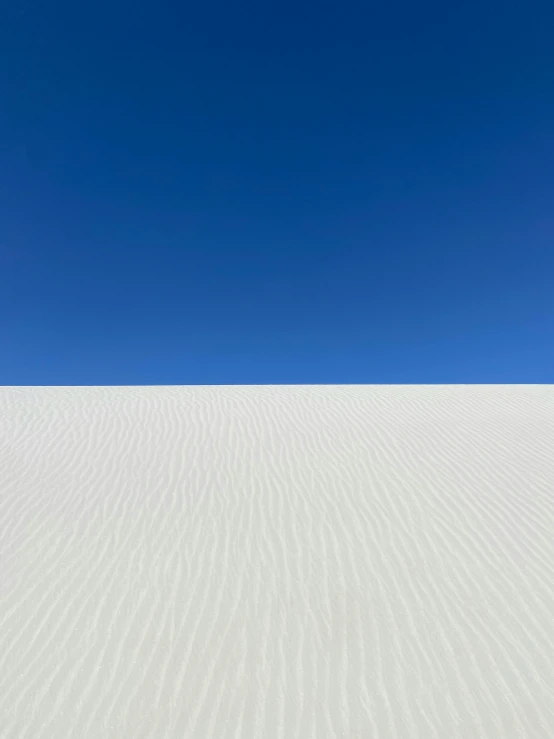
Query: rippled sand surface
x=292 y=562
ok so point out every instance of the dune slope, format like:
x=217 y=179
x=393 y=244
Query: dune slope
x=289 y=562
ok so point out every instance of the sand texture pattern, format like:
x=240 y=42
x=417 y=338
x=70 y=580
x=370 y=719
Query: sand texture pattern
x=277 y=562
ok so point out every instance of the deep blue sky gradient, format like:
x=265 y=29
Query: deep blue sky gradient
x=276 y=192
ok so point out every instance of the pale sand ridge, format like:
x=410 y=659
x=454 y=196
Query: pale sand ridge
x=288 y=562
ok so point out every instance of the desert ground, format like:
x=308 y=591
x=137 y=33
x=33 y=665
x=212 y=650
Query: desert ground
x=288 y=562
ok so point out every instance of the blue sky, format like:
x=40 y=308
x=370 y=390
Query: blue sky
x=276 y=193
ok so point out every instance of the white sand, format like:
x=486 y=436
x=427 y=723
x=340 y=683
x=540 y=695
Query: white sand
x=292 y=562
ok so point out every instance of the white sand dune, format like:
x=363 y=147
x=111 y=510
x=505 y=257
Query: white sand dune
x=291 y=562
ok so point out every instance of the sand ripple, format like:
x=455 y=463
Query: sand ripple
x=277 y=562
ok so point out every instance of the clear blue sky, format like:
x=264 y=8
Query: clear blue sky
x=286 y=192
